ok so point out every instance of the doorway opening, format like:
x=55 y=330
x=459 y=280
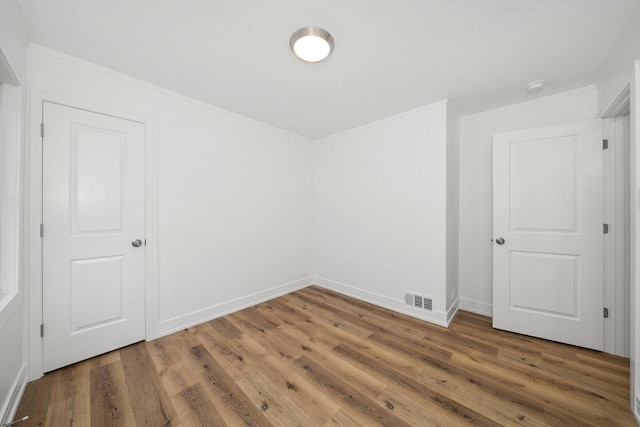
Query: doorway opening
x=617 y=181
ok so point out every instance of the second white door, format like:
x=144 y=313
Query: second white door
x=548 y=233
x=93 y=243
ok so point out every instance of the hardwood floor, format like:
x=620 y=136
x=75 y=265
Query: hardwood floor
x=314 y=358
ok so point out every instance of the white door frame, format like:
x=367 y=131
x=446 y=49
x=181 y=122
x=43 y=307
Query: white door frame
x=616 y=330
x=33 y=219
x=635 y=237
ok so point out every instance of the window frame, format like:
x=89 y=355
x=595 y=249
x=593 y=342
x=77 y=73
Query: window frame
x=11 y=108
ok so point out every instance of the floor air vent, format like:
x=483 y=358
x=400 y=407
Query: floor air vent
x=418 y=301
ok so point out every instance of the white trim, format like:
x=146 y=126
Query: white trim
x=477 y=307
x=453 y=310
x=8 y=66
x=397 y=305
x=124 y=77
x=178 y=323
x=409 y=113
x=635 y=237
x=609 y=240
x=616 y=327
x=560 y=95
x=10 y=405
x=619 y=100
x=33 y=207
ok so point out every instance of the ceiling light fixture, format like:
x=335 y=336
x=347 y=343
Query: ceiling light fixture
x=311 y=44
x=534 y=87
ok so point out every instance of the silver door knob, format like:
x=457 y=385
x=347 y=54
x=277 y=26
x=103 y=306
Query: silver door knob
x=136 y=243
x=500 y=241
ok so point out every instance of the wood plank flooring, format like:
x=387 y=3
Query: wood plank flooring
x=317 y=358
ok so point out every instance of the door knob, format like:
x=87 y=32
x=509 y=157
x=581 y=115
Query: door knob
x=500 y=241
x=136 y=243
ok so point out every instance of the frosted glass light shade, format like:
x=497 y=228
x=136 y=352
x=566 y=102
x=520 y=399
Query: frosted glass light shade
x=311 y=44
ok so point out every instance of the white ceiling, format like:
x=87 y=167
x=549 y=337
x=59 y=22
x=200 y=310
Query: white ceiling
x=390 y=56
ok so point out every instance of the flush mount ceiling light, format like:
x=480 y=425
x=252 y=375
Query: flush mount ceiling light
x=534 y=87
x=311 y=44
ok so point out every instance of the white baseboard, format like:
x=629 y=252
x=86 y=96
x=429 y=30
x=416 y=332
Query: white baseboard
x=477 y=307
x=397 y=305
x=10 y=406
x=175 y=324
x=441 y=318
x=453 y=310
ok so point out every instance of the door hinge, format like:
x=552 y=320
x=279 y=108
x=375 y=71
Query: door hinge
x=42 y=330
x=605 y=228
x=605 y=144
x=42 y=130
x=606 y=313
x=41 y=230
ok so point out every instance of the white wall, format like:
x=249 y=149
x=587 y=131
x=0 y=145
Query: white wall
x=381 y=210
x=13 y=42
x=476 y=142
x=619 y=68
x=234 y=213
x=12 y=362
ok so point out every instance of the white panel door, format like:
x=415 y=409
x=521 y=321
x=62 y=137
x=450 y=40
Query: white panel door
x=93 y=211
x=548 y=233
